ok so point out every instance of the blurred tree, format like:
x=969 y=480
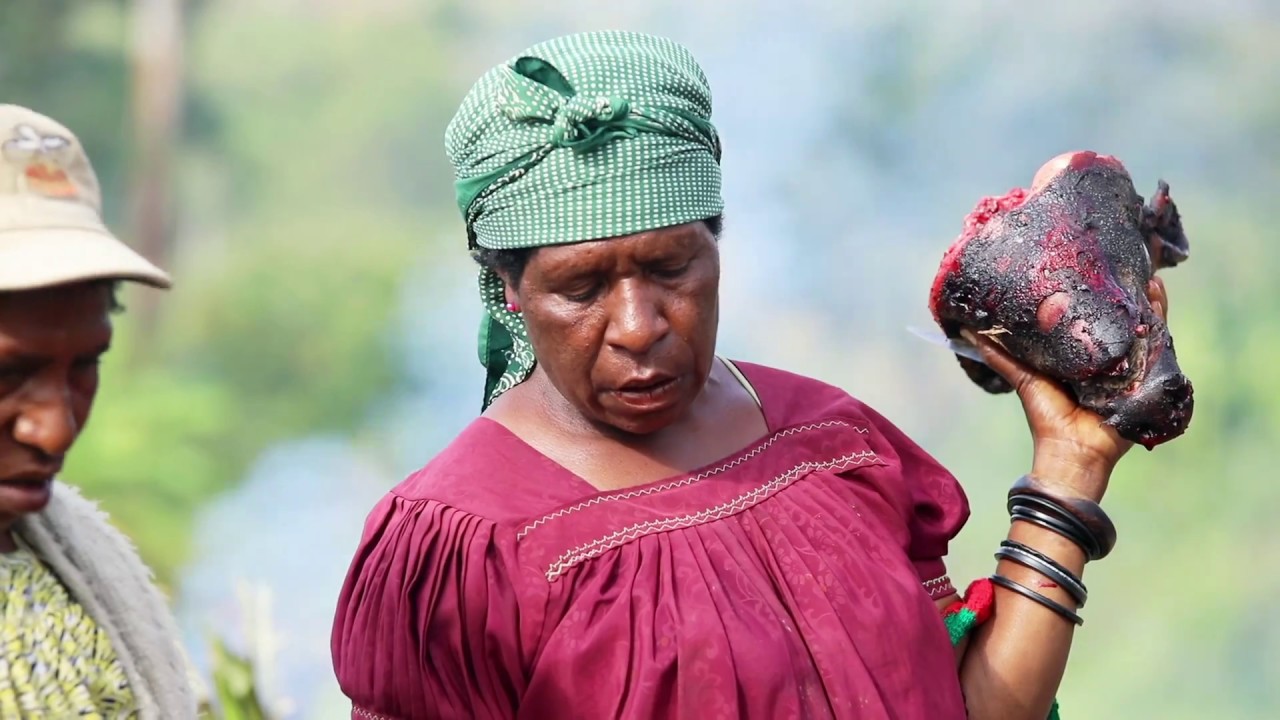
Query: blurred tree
x=156 y=52
x=299 y=210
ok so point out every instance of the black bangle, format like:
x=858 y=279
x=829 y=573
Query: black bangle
x=1030 y=594
x=1043 y=564
x=1049 y=560
x=1055 y=523
x=1084 y=512
x=1046 y=505
x=1087 y=542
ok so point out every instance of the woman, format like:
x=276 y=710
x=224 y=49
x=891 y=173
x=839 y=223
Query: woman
x=83 y=631
x=638 y=528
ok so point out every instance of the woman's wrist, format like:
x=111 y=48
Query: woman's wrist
x=1073 y=476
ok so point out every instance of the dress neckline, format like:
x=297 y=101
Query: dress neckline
x=588 y=490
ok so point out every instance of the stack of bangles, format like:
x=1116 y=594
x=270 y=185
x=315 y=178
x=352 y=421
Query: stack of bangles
x=1081 y=521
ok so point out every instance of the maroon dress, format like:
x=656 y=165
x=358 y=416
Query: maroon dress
x=790 y=580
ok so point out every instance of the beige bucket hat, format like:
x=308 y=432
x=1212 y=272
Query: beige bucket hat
x=51 y=228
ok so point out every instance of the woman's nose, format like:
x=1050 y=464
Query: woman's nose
x=636 y=321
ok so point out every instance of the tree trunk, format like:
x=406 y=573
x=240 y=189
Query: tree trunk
x=157 y=62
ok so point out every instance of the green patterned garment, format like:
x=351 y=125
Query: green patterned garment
x=584 y=137
x=54 y=661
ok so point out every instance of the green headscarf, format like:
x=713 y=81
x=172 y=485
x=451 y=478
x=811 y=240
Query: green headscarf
x=583 y=137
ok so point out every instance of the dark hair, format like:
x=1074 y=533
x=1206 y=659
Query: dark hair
x=511 y=263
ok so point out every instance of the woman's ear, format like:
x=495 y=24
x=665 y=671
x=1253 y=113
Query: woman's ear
x=508 y=290
x=509 y=294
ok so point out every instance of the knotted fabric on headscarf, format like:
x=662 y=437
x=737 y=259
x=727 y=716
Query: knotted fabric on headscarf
x=584 y=137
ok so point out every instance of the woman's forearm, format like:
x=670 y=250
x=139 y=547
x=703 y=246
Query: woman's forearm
x=1014 y=663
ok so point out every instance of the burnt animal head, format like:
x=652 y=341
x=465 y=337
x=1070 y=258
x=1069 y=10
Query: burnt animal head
x=1058 y=275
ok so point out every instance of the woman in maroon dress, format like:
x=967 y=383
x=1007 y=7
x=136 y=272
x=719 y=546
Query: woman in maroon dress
x=638 y=528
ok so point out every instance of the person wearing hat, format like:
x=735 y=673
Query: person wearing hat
x=83 y=631
x=636 y=527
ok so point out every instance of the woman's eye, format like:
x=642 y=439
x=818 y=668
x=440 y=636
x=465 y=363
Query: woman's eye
x=580 y=295
x=671 y=270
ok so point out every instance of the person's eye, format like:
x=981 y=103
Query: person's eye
x=581 y=294
x=672 y=270
x=13 y=375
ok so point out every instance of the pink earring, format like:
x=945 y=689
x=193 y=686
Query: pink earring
x=513 y=307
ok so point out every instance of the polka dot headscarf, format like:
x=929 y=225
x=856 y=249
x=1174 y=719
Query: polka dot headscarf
x=583 y=137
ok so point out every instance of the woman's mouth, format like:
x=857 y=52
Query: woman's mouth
x=648 y=393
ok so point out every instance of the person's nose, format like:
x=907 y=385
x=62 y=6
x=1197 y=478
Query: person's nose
x=47 y=421
x=636 y=321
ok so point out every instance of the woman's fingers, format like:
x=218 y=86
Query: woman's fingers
x=1014 y=372
x=1158 y=297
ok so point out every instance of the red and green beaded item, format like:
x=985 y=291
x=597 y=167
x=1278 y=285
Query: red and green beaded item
x=971 y=610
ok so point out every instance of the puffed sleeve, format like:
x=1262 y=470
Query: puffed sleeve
x=933 y=504
x=427 y=620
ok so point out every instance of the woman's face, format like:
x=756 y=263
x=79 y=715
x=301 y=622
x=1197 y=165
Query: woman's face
x=625 y=328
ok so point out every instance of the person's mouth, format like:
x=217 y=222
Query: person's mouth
x=29 y=477
x=27 y=491
x=646 y=392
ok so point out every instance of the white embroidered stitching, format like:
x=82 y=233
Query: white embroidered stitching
x=370 y=714
x=689 y=480
x=621 y=537
x=938 y=587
